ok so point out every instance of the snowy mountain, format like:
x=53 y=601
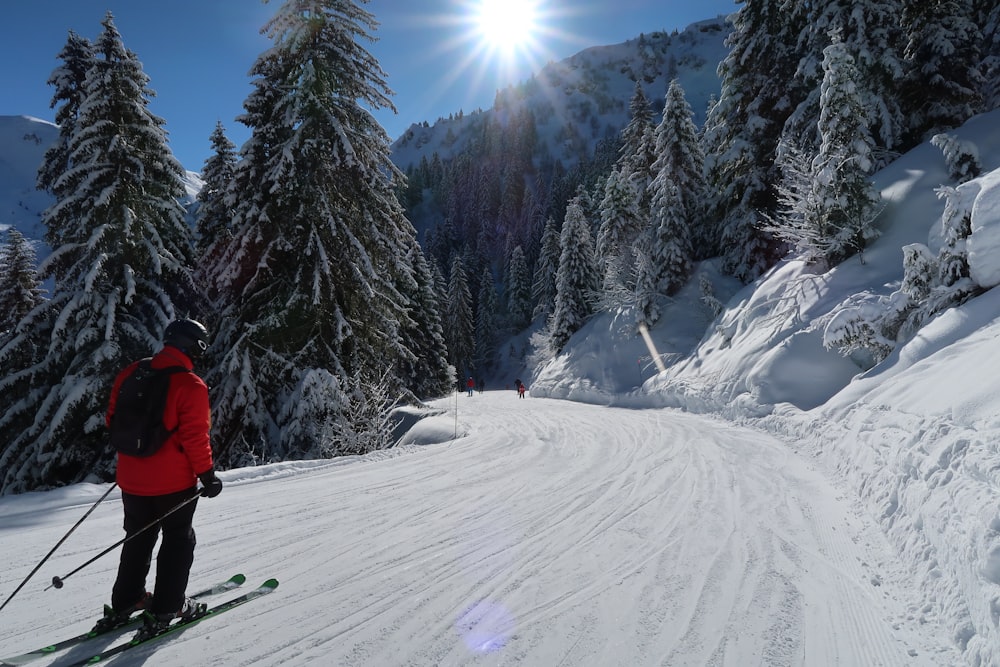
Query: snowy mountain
x=761 y=500
x=23 y=142
x=584 y=98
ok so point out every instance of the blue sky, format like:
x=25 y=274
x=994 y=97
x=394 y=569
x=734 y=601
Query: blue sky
x=197 y=53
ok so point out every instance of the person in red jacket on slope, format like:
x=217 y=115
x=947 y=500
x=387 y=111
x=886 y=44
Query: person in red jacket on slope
x=153 y=485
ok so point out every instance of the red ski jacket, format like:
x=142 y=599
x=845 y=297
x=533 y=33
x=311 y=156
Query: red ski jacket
x=188 y=452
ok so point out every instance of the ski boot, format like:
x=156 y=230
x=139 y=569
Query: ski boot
x=157 y=624
x=113 y=619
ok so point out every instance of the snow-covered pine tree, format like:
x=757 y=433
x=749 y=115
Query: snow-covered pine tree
x=956 y=228
x=20 y=288
x=624 y=199
x=636 y=156
x=743 y=129
x=797 y=221
x=215 y=212
x=487 y=323
x=620 y=226
x=667 y=256
x=680 y=163
x=942 y=82
x=845 y=200
x=962 y=157
x=577 y=279
x=120 y=267
x=311 y=279
x=544 y=286
x=68 y=80
x=988 y=17
x=519 y=305
x=425 y=373
x=459 y=325
x=870 y=31
x=868 y=327
x=638 y=153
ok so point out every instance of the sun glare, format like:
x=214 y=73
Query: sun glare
x=507 y=25
x=493 y=44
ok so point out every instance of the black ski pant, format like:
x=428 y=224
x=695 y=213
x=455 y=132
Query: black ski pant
x=174 y=559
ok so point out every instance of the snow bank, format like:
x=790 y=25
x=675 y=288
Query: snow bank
x=984 y=243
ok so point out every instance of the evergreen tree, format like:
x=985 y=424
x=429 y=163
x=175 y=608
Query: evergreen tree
x=638 y=153
x=871 y=34
x=215 y=213
x=313 y=273
x=666 y=264
x=621 y=224
x=842 y=190
x=544 y=287
x=988 y=17
x=459 y=326
x=519 y=305
x=680 y=163
x=120 y=267
x=68 y=80
x=797 y=219
x=962 y=157
x=869 y=327
x=624 y=206
x=426 y=372
x=487 y=323
x=759 y=92
x=20 y=289
x=942 y=82
x=577 y=279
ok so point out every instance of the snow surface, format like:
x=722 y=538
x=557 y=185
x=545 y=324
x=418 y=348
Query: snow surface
x=548 y=533
x=916 y=439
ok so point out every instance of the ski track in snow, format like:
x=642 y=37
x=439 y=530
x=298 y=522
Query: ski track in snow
x=554 y=534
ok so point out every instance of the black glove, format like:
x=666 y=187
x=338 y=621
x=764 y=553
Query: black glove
x=212 y=485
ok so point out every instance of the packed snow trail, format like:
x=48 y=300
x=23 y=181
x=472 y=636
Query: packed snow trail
x=549 y=533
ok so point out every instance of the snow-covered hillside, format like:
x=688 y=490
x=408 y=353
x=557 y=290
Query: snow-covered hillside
x=916 y=438
x=547 y=533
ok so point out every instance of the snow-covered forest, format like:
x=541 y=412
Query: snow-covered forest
x=300 y=260
x=327 y=309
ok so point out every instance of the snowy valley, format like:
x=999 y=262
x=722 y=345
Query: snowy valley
x=762 y=500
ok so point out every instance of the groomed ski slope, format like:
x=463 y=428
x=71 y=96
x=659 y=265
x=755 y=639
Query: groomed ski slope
x=550 y=533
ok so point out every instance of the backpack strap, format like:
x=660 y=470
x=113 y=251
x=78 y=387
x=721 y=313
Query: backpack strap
x=146 y=365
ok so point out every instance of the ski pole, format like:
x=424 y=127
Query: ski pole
x=58 y=544
x=57 y=582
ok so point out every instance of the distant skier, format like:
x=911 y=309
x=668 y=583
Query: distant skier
x=470 y=385
x=521 y=389
x=482 y=385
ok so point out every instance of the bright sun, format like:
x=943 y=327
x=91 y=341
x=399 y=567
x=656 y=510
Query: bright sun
x=507 y=25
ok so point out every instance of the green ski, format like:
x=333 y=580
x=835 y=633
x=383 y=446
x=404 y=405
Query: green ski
x=228 y=585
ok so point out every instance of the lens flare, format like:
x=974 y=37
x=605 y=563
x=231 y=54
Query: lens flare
x=485 y=627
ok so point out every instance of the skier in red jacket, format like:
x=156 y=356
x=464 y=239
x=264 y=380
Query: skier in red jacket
x=153 y=485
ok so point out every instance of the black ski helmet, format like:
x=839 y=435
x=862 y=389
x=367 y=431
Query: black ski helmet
x=188 y=336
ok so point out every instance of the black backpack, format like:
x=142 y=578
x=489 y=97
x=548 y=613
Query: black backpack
x=137 y=424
